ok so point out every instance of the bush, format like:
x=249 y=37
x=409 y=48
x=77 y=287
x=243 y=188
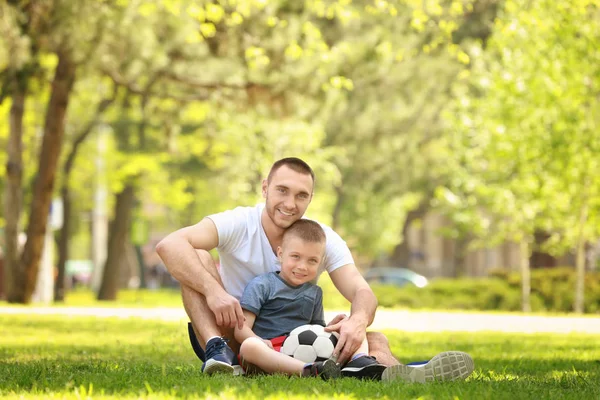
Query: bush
x=551 y=290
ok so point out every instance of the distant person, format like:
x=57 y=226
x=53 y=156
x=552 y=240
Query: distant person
x=277 y=302
x=247 y=239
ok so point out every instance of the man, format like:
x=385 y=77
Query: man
x=247 y=239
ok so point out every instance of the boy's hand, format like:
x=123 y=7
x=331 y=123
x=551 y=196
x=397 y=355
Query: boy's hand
x=268 y=343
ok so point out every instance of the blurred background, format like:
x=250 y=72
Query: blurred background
x=456 y=143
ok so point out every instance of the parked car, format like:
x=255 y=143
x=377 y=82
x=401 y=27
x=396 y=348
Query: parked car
x=395 y=276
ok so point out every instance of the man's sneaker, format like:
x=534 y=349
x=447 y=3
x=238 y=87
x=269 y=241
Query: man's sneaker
x=327 y=369
x=219 y=357
x=365 y=367
x=446 y=366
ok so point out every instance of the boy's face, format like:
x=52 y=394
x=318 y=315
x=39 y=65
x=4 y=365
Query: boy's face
x=300 y=260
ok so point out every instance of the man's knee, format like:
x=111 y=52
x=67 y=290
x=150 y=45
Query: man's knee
x=377 y=341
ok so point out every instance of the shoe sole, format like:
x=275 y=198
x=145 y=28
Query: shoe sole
x=446 y=366
x=373 y=372
x=331 y=370
x=213 y=366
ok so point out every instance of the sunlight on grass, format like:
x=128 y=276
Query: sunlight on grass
x=126 y=298
x=86 y=357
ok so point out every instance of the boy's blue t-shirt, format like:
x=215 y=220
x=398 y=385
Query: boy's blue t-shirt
x=279 y=307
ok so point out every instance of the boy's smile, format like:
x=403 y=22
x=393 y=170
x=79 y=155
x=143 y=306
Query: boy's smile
x=300 y=260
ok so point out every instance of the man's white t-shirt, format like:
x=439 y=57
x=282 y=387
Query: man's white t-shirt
x=245 y=252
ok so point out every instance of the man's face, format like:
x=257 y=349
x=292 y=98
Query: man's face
x=287 y=196
x=300 y=260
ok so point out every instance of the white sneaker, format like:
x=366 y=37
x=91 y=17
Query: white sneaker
x=446 y=366
x=238 y=370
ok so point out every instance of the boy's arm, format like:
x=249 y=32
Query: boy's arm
x=246 y=332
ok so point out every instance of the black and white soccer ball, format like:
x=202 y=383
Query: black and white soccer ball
x=310 y=343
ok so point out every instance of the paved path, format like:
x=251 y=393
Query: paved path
x=412 y=321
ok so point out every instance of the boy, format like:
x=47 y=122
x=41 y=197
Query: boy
x=277 y=302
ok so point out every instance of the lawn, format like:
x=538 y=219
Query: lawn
x=86 y=357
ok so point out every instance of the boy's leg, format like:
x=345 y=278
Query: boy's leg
x=256 y=353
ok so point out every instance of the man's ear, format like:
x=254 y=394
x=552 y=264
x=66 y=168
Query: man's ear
x=265 y=185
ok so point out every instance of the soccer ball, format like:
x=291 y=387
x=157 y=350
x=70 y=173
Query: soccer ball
x=310 y=343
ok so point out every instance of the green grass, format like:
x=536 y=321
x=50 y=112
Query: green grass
x=86 y=357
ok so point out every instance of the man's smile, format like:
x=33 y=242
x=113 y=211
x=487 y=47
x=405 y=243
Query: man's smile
x=287 y=214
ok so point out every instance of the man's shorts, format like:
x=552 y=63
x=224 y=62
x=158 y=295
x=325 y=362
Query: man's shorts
x=276 y=342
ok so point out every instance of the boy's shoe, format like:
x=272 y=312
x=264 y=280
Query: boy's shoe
x=365 y=367
x=446 y=366
x=327 y=369
x=219 y=357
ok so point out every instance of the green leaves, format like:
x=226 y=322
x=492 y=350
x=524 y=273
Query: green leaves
x=525 y=130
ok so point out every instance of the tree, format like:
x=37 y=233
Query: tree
x=54 y=30
x=527 y=137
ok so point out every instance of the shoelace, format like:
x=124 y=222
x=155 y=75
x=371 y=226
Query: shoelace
x=216 y=348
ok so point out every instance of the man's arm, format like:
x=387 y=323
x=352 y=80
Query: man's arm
x=178 y=252
x=351 y=284
x=356 y=290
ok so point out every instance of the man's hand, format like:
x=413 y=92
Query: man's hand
x=352 y=333
x=269 y=344
x=227 y=309
x=336 y=320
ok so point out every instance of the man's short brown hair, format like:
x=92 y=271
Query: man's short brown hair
x=307 y=230
x=293 y=163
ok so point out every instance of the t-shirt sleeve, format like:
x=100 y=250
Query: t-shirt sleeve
x=337 y=253
x=255 y=295
x=318 y=317
x=231 y=227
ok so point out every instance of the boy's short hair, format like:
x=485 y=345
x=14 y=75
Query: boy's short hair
x=294 y=164
x=307 y=230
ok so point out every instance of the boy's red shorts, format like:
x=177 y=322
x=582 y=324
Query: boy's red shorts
x=277 y=342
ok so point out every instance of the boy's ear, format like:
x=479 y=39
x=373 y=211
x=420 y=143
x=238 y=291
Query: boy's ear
x=279 y=253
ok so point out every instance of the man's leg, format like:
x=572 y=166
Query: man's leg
x=445 y=366
x=379 y=347
x=203 y=320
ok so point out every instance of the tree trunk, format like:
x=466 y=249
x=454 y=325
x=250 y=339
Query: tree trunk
x=460 y=257
x=63 y=244
x=401 y=256
x=54 y=129
x=525 y=275
x=119 y=229
x=65 y=233
x=580 y=257
x=13 y=277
